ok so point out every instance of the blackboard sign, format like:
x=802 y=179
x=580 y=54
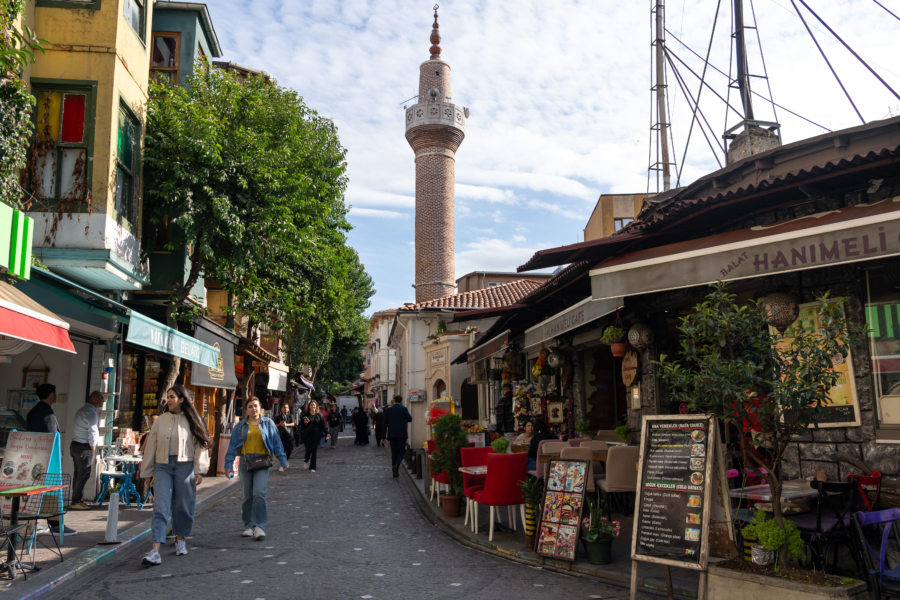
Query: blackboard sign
x=561 y=515
x=673 y=502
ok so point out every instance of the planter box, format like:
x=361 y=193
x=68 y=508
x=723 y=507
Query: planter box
x=737 y=585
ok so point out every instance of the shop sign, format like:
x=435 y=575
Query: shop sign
x=144 y=331
x=223 y=374
x=438 y=358
x=16 y=233
x=572 y=318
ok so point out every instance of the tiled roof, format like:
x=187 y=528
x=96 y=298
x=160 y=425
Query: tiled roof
x=490 y=297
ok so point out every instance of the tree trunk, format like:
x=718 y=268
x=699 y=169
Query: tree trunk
x=171 y=375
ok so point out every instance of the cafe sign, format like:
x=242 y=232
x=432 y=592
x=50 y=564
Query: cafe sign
x=572 y=318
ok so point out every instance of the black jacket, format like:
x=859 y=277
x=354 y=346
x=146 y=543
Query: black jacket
x=395 y=419
x=315 y=429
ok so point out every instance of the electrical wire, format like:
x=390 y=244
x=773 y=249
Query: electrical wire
x=681 y=84
x=825 y=58
x=886 y=9
x=850 y=50
x=765 y=70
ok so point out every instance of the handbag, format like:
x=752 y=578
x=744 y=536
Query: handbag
x=255 y=462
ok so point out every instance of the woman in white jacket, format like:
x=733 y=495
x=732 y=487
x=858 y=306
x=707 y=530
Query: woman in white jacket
x=175 y=454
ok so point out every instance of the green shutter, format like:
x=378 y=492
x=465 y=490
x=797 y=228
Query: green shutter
x=6 y=223
x=20 y=255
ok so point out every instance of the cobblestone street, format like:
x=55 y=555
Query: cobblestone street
x=349 y=530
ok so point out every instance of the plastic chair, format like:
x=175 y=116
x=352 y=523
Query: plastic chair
x=598 y=465
x=501 y=488
x=829 y=526
x=582 y=453
x=882 y=525
x=437 y=479
x=621 y=473
x=545 y=448
x=49 y=505
x=869 y=487
x=470 y=457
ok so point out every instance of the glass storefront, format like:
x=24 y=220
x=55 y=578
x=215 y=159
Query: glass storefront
x=883 y=322
x=142 y=376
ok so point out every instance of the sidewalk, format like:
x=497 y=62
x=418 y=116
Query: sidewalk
x=511 y=545
x=86 y=550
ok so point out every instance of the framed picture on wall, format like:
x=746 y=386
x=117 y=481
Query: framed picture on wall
x=555 y=412
x=31 y=378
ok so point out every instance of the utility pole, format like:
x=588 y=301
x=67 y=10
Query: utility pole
x=659 y=86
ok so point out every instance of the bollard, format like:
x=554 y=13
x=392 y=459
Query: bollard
x=112 y=520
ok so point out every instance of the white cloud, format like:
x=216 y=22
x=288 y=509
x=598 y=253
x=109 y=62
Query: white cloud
x=377 y=213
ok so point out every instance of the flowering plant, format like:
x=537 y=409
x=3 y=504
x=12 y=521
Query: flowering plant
x=596 y=527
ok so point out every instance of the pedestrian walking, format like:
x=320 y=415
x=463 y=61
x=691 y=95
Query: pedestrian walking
x=396 y=418
x=378 y=424
x=85 y=438
x=285 y=423
x=361 y=425
x=255 y=439
x=334 y=425
x=175 y=456
x=312 y=430
x=323 y=410
x=345 y=417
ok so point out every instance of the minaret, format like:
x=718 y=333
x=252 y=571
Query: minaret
x=435 y=127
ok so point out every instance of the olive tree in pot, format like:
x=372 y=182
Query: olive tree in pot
x=766 y=385
x=449 y=437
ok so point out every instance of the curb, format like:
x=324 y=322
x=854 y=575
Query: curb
x=649 y=584
x=84 y=562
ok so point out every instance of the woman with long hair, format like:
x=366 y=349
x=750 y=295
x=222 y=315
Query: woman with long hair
x=285 y=423
x=176 y=457
x=253 y=438
x=312 y=430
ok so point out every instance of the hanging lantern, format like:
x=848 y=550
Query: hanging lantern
x=554 y=359
x=640 y=336
x=780 y=310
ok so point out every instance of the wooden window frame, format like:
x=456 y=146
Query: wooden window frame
x=133 y=171
x=177 y=68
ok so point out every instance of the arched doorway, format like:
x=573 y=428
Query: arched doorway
x=439 y=389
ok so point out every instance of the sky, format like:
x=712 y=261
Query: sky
x=559 y=93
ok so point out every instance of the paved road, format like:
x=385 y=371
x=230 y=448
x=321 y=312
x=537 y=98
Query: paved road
x=347 y=531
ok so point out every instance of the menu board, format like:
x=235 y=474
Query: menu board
x=561 y=515
x=672 y=509
x=28 y=456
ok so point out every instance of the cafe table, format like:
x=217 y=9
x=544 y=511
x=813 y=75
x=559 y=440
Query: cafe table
x=474 y=470
x=16 y=493
x=127 y=489
x=796 y=495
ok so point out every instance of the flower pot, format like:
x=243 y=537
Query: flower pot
x=761 y=556
x=598 y=552
x=450 y=505
x=618 y=349
x=740 y=585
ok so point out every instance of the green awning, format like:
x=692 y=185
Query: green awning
x=144 y=331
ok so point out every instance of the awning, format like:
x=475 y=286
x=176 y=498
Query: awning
x=489 y=348
x=278 y=376
x=24 y=319
x=852 y=234
x=144 y=331
x=571 y=318
x=222 y=375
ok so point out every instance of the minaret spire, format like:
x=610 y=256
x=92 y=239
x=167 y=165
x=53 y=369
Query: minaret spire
x=435 y=36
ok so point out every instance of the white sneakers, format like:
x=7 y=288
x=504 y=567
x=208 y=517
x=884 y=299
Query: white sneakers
x=247 y=532
x=152 y=558
x=312 y=470
x=258 y=533
x=180 y=548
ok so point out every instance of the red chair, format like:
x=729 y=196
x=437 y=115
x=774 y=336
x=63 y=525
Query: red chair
x=471 y=457
x=437 y=479
x=501 y=488
x=869 y=486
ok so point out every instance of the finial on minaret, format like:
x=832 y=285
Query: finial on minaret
x=435 y=36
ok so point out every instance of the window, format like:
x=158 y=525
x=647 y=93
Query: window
x=133 y=10
x=127 y=152
x=62 y=148
x=92 y=4
x=164 y=57
x=883 y=321
x=620 y=222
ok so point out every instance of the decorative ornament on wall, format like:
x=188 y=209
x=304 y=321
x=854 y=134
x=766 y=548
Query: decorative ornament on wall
x=554 y=359
x=640 y=336
x=780 y=310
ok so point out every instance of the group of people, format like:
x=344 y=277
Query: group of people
x=177 y=453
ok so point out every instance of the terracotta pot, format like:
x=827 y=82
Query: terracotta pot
x=598 y=552
x=450 y=505
x=618 y=349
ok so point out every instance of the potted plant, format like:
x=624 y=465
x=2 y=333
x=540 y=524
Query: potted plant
x=598 y=533
x=614 y=337
x=624 y=432
x=500 y=445
x=772 y=538
x=533 y=493
x=583 y=428
x=449 y=437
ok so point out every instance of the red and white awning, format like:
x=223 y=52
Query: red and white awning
x=24 y=319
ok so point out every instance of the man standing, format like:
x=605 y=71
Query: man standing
x=85 y=438
x=334 y=425
x=395 y=419
x=41 y=419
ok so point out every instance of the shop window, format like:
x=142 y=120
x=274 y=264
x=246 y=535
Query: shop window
x=883 y=321
x=134 y=12
x=620 y=222
x=92 y=4
x=164 y=57
x=61 y=152
x=127 y=154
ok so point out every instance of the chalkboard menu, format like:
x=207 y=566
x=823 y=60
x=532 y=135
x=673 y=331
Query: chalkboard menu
x=672 y=512
x=561 y=515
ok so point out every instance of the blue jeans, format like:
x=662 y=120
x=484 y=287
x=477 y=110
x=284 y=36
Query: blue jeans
x=175 y=494
x=253 y=495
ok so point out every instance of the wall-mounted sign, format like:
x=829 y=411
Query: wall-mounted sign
x=629 y=368
x=16 y=233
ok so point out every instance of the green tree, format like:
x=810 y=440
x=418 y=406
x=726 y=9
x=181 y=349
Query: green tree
x=732 y=367
x=17 y=51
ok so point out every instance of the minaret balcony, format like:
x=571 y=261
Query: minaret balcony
x=435 y=113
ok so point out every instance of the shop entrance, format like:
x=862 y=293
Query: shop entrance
x=604 y=393
x=468 y=395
